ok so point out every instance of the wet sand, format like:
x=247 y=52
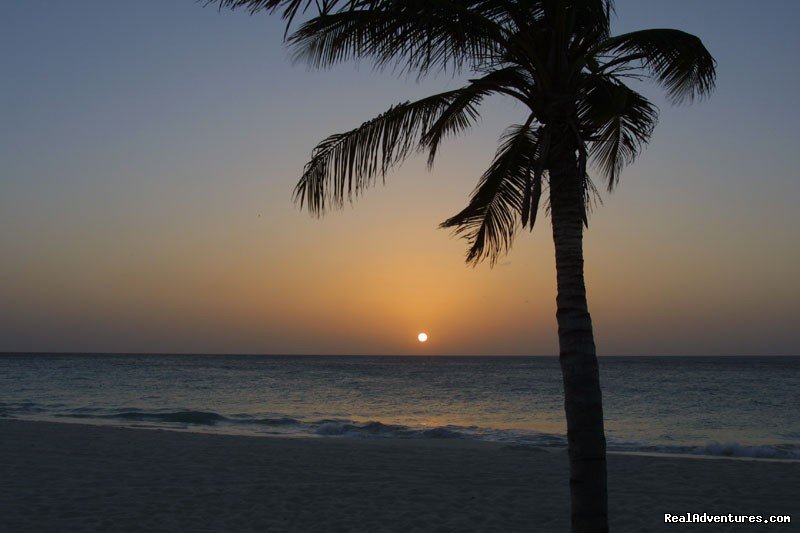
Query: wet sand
x=72 y=477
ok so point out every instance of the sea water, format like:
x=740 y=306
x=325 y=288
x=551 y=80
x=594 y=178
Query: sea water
x=735 y=406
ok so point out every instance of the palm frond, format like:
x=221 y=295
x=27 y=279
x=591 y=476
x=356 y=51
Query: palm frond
x=414 y=35
x=461 y=113
x=490 y=219
x=345 y=164
x=620 y=122
x=289 y=8
x=592 y=18
x=676 y=59
x=548 y=54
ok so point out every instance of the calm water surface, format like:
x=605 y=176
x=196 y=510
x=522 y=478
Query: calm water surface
x=741 y=406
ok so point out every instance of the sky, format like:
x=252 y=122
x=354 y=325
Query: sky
x=149 y=150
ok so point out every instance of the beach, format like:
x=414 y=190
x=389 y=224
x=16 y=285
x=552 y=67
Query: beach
x=76 y=477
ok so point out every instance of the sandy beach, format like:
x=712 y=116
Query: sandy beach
x=71 y=477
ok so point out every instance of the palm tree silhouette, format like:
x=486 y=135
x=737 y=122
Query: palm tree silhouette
x=559 y=59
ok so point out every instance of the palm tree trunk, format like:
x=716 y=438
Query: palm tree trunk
x=582 y=397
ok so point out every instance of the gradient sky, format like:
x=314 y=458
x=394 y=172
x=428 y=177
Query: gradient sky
x=149 y=150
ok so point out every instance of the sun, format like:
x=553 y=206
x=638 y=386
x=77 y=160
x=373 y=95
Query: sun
x=422 y=337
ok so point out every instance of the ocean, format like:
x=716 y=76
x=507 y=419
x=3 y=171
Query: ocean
x=721 y=406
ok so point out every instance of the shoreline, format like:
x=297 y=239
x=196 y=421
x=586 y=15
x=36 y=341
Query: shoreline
x=81 y=477
x=215 y=430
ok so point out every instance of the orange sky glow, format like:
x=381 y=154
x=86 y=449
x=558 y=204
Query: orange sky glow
x=146 y=205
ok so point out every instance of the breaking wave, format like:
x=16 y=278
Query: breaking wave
x=282 y=425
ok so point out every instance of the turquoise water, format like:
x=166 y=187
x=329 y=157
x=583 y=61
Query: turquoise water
x=739 y=406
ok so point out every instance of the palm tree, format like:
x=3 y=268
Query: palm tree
x=559 y=59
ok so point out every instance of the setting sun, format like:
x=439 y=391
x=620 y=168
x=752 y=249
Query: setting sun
x=422 y=337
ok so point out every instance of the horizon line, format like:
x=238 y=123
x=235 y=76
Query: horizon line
x=251 y=354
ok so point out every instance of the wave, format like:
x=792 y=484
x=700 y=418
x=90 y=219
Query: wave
x=734 y=449
x=279 y=424
x=715 y=449
x=180 y=417
x=378 y=429
x=200 y=418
